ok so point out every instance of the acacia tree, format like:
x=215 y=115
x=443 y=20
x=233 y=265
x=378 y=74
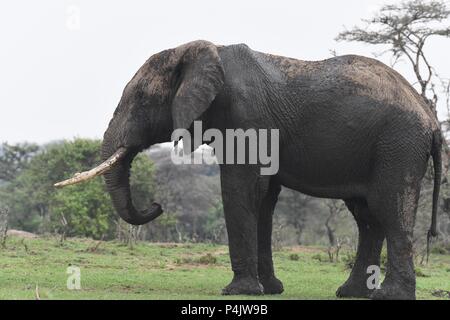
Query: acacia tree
x=405 y=28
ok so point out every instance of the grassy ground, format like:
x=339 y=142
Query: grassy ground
x=111 y=270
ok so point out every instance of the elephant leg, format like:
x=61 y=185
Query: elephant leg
x=242 y=192
x=370 y=243
x=397 y=209
x=265 y=263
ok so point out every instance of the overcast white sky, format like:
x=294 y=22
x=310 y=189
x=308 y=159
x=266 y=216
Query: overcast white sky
x=60 y=83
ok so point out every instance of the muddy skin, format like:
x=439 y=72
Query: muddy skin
x=350 y=128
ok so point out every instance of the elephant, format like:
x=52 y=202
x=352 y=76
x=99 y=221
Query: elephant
x=350 y=128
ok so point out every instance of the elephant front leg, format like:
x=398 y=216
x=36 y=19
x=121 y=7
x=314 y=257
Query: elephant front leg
x=265 y=263
x=241 y=225
x=240 y=197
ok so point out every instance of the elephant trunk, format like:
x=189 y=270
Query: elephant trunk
x=116 y=170
x=118 y=185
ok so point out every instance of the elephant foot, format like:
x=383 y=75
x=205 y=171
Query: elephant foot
x=272 y=285
x=393 y=292
x=247 y=286
x=353 y=289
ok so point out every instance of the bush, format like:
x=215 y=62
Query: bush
x=420 y=273
x=349 y=259
x=319 y=257
x=207 y=259
x=183 y=261
x=440 y=249
x=294 y=257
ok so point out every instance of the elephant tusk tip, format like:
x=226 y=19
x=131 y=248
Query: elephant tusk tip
x=60 y=184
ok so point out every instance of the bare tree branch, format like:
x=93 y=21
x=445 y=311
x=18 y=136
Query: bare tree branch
x=405 y=28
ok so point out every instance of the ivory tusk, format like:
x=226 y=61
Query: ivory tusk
x=99 y=170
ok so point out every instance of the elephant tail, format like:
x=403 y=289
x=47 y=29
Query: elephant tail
x=436 y=150
x=437 y=165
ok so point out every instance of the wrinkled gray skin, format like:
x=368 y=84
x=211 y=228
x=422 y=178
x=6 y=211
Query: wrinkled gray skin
x=351 y=128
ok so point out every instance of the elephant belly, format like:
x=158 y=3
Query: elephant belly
x=345 y=190
x=334 y=148
x=334 y=170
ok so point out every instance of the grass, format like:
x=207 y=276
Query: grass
x=111 y=270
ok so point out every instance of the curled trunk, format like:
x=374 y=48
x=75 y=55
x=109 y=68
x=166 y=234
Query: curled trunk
x=118 y=185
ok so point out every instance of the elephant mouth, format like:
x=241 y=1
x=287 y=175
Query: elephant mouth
x=116 y=171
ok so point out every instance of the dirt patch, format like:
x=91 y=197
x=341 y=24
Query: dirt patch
x=303 y=249
x=21 y=234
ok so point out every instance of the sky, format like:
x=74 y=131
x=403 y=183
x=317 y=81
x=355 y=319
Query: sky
x=64 y=63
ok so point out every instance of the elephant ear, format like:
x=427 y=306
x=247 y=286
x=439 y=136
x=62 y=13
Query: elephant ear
x=200 y=78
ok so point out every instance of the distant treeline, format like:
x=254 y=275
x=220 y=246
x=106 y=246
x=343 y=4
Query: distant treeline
x=189 y=194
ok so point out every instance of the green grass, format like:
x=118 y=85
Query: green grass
x=170 y=271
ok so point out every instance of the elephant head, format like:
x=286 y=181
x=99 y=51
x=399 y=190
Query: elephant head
x=171 y=90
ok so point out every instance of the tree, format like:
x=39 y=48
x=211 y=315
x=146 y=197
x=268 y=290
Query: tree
x=80 y=210
x=335 y=207
x=14 y=158
x=295 y=207
x=405 y=28
x=214 y=223
x=31 y=194
x=189 y=193
x=83 y=210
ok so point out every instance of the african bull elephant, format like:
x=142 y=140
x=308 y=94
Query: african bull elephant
x=350 y=128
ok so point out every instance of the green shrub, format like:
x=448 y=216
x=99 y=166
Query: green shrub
x=294 y=257
x=207 y=259
x=349 y=259
x=319 y=257
x=440 y=249
x=184 y=260
x=420 y=273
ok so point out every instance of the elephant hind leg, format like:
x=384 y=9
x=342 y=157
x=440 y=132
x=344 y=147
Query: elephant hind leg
x=395 y=207
x=370 y=243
